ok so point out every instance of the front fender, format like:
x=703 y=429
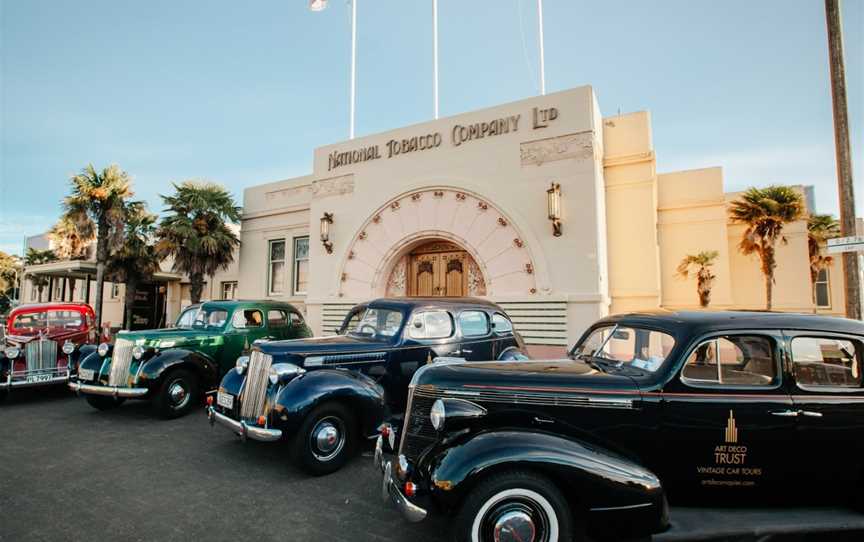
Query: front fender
x=594 y=477
x=156 y=367
x=80 y=353
x=95 y=362
x=361 y=394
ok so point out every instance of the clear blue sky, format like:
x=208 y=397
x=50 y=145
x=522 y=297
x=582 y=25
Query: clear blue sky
x=241 y=92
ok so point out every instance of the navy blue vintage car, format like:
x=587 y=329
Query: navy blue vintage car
x=323 y=395
x=687 y=407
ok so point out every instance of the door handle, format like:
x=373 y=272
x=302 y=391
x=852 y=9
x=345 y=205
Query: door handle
x=810 y=413
x=785 y=413
x=466 y=351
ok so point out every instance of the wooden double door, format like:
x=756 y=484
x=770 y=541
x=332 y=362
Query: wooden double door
x=438 y=274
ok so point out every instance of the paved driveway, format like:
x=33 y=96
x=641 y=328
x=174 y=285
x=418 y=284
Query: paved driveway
x=69 y=472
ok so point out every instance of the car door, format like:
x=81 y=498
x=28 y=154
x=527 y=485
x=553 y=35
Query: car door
x=247 y=325
x=476 y=336
x=277 y=325
x=727 y=419
x=505 y=338
x=829 y=400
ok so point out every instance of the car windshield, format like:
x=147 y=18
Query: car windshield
x=378 y=324
x=625 y=346
x=203 y=317
x=48 y=321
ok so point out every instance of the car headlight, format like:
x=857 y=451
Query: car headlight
x=138 y=352
x=12 y=352
x=242 y=363
x=438 y=415
x=282 y=372
x=103 y=349
x=68 y=347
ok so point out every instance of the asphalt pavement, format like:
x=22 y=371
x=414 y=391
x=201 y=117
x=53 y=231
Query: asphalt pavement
x=69 y=472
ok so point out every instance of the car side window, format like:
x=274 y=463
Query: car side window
x=248 y=319
x=296 y=319
x=732 y=360
x=276 y=318
x=826 y=362
x=431 y=325
x=501 y=324
x=474 y=323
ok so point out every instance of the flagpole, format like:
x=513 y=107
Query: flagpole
x=542 y=54
x=435 y=55
x=353 y=63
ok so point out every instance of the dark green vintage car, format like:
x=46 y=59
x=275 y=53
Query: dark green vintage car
x=174 y=366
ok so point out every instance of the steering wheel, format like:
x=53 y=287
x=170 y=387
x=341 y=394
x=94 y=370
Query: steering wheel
x=371 y=329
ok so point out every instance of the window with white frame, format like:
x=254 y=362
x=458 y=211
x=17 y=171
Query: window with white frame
x=276 y=268
x=301 y=264
x=229 y=290
x=823 y=289
x=115 y=290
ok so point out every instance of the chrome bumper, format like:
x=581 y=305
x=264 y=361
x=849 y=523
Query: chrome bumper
x=110 y=391
x=242 y=429
x=9 y=384
x=390 y=489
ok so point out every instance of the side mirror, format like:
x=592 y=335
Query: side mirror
x=621 y=335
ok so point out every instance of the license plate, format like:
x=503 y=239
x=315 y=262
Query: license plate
x=39 y=378
x=225 y=400
x=86 y=374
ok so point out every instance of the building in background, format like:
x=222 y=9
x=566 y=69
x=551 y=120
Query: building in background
x=460 y=206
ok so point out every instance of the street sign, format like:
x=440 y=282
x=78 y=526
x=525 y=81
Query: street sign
x=845 y=244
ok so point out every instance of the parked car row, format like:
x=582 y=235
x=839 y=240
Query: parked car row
x=696 y=407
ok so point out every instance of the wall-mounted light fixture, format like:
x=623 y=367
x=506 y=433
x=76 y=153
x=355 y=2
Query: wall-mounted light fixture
x=553 y=202
x=326 y=220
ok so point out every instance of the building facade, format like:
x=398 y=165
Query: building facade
x=460 y=206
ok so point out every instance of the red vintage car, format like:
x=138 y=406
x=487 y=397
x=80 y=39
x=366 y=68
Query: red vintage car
x=43 y=344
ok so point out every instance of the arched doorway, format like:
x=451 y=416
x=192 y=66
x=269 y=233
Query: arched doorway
x=436 y=267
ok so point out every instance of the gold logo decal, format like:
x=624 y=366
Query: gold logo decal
x=731 y=430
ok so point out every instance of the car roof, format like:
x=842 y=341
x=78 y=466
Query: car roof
x=51 y=305
x=230 y=303
x=443 y=302
x=706 y=321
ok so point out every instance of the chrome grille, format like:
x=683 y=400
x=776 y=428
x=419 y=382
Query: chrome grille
x=418 y=433
x=41 y=354
x=121 y=359
x=253 y=396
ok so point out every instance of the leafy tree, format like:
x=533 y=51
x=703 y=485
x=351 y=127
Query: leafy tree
x=136 y=260
x=97 y=205
x=9 y=269
x=764 y=212
x=701 y=263
x=195 y=232
x=34 y=256
x=820 y=228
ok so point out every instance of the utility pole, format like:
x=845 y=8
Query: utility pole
x=843 y=154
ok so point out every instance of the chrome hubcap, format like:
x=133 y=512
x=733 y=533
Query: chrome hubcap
x=327 y=438
x=515 y=526
x=178 y=394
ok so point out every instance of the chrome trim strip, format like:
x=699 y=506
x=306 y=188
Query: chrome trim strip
x=531 y=398
x=25 y=384
x=627 y=507
x=242 y=429
x=109 y=391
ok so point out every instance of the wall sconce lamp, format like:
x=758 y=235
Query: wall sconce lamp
x=553 y=202
x=326 y=220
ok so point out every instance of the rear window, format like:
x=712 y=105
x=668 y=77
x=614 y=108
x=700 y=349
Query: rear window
x=826 y=362
x=732 y=360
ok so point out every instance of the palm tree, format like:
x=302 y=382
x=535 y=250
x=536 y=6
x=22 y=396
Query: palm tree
x=9 y=269
x=702 y=262
x=196 y=233
x=71 y=243
x=820 y=228
x=764 y=212
x=97 y=204
x=35 y=256
x=135 y=261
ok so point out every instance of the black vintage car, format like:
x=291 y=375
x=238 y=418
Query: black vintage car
x=325 y=394
x=734 y=407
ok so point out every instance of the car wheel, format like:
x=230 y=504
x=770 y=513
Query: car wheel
x=177 y=395
x=326 y=439
x=514 y=506
x=100 y=402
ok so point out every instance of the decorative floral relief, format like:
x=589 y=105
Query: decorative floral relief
x=394 y=206
x=376 y=219
x=529 y=268
x=476 y=284
x=397 y=284
x=460 y=196
x=333 y=187
x=576 y=146
x=362 y=235
x=416 y=197
x=438 y=194
x=502 y=222
x=482 y=205
x=518 y=242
